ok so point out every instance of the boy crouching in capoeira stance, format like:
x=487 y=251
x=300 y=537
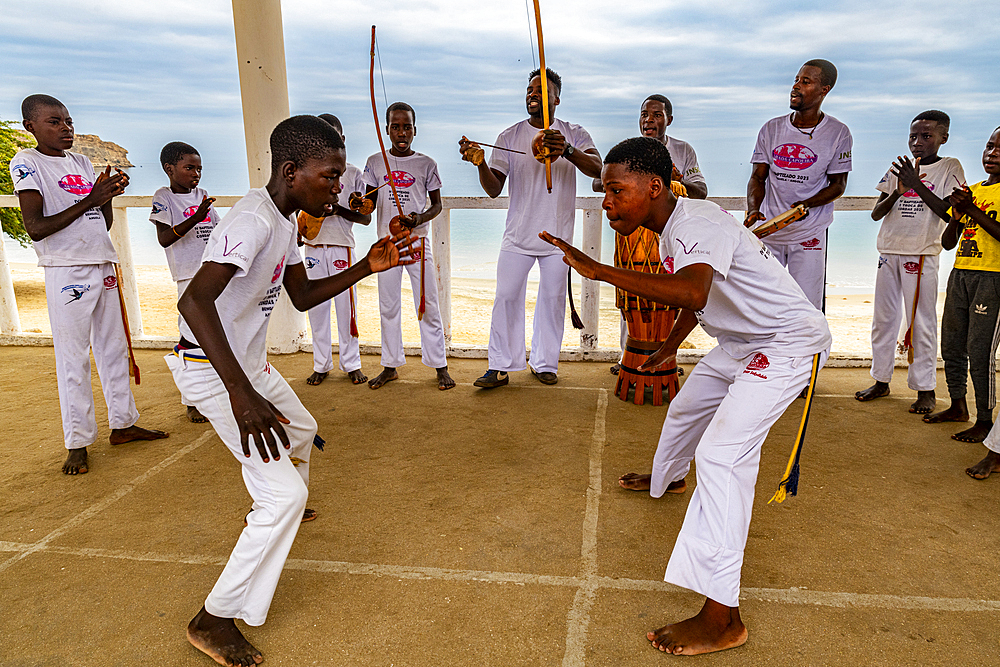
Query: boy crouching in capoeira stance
x=768 y=334
x=221 y=366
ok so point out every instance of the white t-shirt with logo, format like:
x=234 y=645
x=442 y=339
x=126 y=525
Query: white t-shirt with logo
x=256 y=238
x=797 y=169
x=532 y=209
x=684 y=158
x=64 y=181
x=910 y=228
x=414 y=176
x=335 y=229
x=171 y=209
x=754 y=304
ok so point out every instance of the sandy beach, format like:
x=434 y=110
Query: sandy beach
x=472 y=301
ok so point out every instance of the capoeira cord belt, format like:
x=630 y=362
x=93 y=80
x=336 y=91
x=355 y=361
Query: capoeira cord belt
x=789 y=484
x=907 y=344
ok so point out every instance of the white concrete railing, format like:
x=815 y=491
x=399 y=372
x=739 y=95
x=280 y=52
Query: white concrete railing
x=10 y=328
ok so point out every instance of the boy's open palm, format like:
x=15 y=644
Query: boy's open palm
x=582 y=263
x=391 y=251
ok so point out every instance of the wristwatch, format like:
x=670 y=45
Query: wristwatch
x=568 y=151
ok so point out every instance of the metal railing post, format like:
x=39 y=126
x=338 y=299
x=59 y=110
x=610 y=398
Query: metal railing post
x=441 y=242
x=123 y=246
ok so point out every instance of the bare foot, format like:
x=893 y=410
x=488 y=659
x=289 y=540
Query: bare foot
x=444 y=380
x=120 y=436
x=635 y=482
x=988 y=465
x=715 y=628
x=877 y=390
x=387 y=375
x=958 y=411
x=194 y=416
x=76 y=462
x=357 y=377
x=316 y=378
x=221 y=640
x=926 y=400
x=977 y=433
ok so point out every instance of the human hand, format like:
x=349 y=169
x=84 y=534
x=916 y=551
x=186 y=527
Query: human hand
x=106 y=186
x=581 y=262
x=907 y=172
x=752 y=218
x=676 y=175
x=662 y=356
x=203 y=208
x=391 y=251
x=553 y=141
x=961 y=200
x=258 y=420
x=471 y=151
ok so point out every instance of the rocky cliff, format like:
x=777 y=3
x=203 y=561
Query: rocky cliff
x=101 y=153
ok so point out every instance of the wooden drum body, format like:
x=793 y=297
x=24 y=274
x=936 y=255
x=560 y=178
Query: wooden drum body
x=648 y=323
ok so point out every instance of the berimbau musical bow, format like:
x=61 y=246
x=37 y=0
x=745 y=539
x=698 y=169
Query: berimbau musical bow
x=392 y=180
x=544 y=154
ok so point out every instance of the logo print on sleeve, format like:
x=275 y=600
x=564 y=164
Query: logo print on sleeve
x=22 y=171
x=231 y=252
x=277 y=270
x=793 y=156
x=75 y=292
x=158 y=207
x=75 y=184
x=758 y=363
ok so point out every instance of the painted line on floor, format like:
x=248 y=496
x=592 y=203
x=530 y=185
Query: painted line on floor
x=578 y=618
x=791 y=596
x=108 y=500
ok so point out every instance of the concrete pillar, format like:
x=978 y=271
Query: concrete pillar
x=441 y=235
x=122 y=241
x=10 y=323
x=591 y=288
x=260 y=52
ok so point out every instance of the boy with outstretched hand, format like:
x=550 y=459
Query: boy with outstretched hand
x=770 y=337
x=184 y=220
x=221 y=366
x=67 y=214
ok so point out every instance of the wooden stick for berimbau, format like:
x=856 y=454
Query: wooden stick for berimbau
x=545 y=93
x=133 y=368
x=509 y=150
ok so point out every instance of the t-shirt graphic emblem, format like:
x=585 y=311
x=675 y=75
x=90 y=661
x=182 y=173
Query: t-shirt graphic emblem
x=75 y=184
x=793 y=156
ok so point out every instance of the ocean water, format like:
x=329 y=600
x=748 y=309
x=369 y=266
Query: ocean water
x=476 y=234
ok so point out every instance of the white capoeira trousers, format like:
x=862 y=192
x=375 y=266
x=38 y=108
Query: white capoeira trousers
x=322 y=262
x=720 y=418
x=895 y=287
x=85 y=315
x=390 y=297
x=806 y=262
x=992 y=440
x=506 y=349
x=278 y=488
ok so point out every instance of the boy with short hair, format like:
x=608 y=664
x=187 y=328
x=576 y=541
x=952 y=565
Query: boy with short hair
x=327 y=254
x=67 y=213
x=909 y=246
x=184 y=219
x=221 y=366
x=972 y=302
x=416 y=180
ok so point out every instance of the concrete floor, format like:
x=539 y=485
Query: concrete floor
x=487 y=528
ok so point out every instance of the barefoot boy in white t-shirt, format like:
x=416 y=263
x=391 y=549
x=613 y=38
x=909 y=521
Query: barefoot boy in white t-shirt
x=67 y=213
x=913 y=215
x=184 y=220
x=250 y=257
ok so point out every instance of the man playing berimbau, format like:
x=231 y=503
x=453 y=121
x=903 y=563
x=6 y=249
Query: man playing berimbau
x=768 y=334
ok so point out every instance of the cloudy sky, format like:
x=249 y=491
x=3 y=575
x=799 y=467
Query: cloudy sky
x=141 y=73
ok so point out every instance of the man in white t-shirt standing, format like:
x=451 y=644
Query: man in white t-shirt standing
x=801 y=158
x=327 y=254
x=221 y=367
x=769 y=335
x=67 y=213
x=184 y=219
x=418 y=185
x=532 y=209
